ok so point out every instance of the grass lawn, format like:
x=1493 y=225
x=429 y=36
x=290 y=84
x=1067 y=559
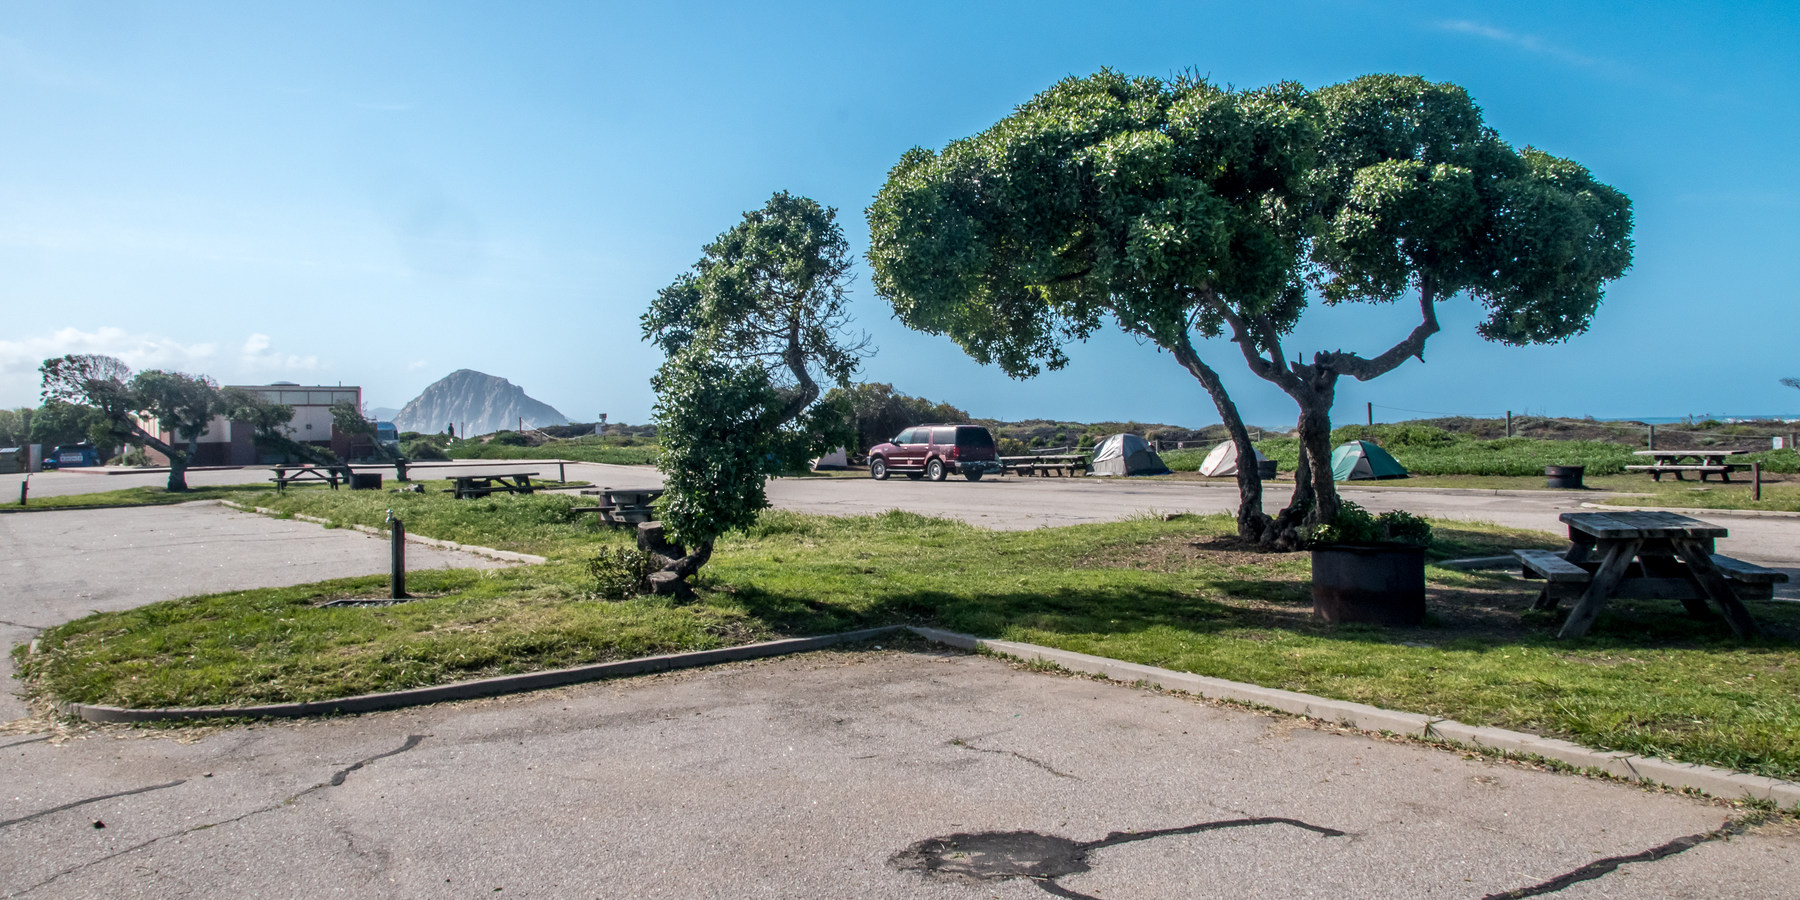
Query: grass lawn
x=594 y=449
x=1180 y=594
x=137 y=496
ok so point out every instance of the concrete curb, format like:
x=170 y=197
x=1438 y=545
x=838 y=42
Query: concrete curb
x=1723 y=783
x=1692 y=511
x=507 y=555
x=468 y=690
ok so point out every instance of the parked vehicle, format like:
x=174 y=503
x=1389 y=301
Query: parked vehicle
x=936 y=451
x=71 y=456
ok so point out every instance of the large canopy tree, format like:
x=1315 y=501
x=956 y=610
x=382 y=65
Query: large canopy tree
x=1182 y=210
x=749 y=335
x=180 y=405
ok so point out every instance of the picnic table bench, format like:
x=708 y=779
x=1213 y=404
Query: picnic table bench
x=285 y=475
x=1646 y=555
x=1673 y=462
x=482 y=485
x=1044 y=464
x=623 y=506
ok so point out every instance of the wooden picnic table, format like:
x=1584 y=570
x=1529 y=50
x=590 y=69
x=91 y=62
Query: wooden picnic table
x=1045 y=464
x=1648 y=555
x=497 y=483
x=285 y=475
x=623 y=506
x=1674 y=462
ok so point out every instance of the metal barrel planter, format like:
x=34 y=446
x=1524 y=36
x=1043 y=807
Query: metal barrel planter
x=1566 y=477
x=1378 y=584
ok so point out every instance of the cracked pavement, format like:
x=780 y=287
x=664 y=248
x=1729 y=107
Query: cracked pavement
x=807 y=776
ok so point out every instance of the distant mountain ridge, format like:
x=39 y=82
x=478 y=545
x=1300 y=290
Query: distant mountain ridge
x=476 y=403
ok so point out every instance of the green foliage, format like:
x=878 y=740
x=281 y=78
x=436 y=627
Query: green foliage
x=744 y=334
x=1178 y=207
x=719 y=431
x=57 y=422
x=510 y=439
x=347 y=418
x=621 y=572
x=15 y=426
x=878 y=413
x=1355 y=525
x=615 y=451
x=423 y=451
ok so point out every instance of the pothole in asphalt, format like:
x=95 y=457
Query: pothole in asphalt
x=995 y=856
x=1043 y=858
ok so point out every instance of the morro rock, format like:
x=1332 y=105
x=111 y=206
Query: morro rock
x=477 y=403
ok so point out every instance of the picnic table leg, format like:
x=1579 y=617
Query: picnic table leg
x=1659 y=560
x=1713 y=582
x=1606 y=581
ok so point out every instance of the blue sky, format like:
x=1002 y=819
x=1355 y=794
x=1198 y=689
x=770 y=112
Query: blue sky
x=380 y=193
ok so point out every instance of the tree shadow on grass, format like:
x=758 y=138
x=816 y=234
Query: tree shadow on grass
x=1474 y=612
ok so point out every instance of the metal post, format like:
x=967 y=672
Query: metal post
x=24 y=490
x=560 y=474
x=1652 y=438
x=400 y=468
x=1756 y=481
x=1371 y=412
x=397 y=558
x=1509 y=423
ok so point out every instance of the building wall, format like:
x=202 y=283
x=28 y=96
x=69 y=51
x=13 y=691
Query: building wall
x=231 y=443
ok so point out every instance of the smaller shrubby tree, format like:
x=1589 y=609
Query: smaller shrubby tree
x=183 y=405
x=15 y=426
x=748 y=336
x=877 y=412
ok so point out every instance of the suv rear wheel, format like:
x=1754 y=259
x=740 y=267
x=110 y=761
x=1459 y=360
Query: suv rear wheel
x=878 y=469
x=973 y=476
x=934 y=470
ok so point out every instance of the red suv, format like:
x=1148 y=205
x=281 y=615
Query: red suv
x=933 y=451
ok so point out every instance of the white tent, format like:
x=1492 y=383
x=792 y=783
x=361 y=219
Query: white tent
x=836 y=459
x=1126 y=454
x=1223 y=460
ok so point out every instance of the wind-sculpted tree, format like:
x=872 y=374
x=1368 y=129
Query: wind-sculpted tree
x=1180 y=210
x=749 y=334
x=181 y=405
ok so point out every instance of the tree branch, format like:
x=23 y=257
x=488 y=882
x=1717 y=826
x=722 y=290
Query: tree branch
x=1412 y=346
x=1275 y=373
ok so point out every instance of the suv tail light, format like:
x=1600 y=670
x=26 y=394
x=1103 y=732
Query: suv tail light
x=955 y=452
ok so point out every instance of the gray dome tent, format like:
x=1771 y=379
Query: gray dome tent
x=1126 y=454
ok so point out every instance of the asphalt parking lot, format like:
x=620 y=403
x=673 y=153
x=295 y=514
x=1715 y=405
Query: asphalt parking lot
x=839 y=774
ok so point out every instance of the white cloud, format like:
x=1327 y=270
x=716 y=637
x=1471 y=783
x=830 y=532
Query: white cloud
x=257 y=356
x=140 y=351
x=1528 y=42
x=416 y=365
x=256 y=360
x=19 y=359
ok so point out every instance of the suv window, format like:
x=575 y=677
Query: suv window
x=976 y=436
x=942 y=436
x=909 y=436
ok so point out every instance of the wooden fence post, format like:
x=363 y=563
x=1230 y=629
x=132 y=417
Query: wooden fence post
x=1756 y=481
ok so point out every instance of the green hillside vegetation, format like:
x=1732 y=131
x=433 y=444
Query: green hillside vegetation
x=1431 y=450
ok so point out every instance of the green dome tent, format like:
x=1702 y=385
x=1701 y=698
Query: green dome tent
x=1358 y=460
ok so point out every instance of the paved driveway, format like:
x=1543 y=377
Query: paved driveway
x=873 y=774
x=61 y=565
